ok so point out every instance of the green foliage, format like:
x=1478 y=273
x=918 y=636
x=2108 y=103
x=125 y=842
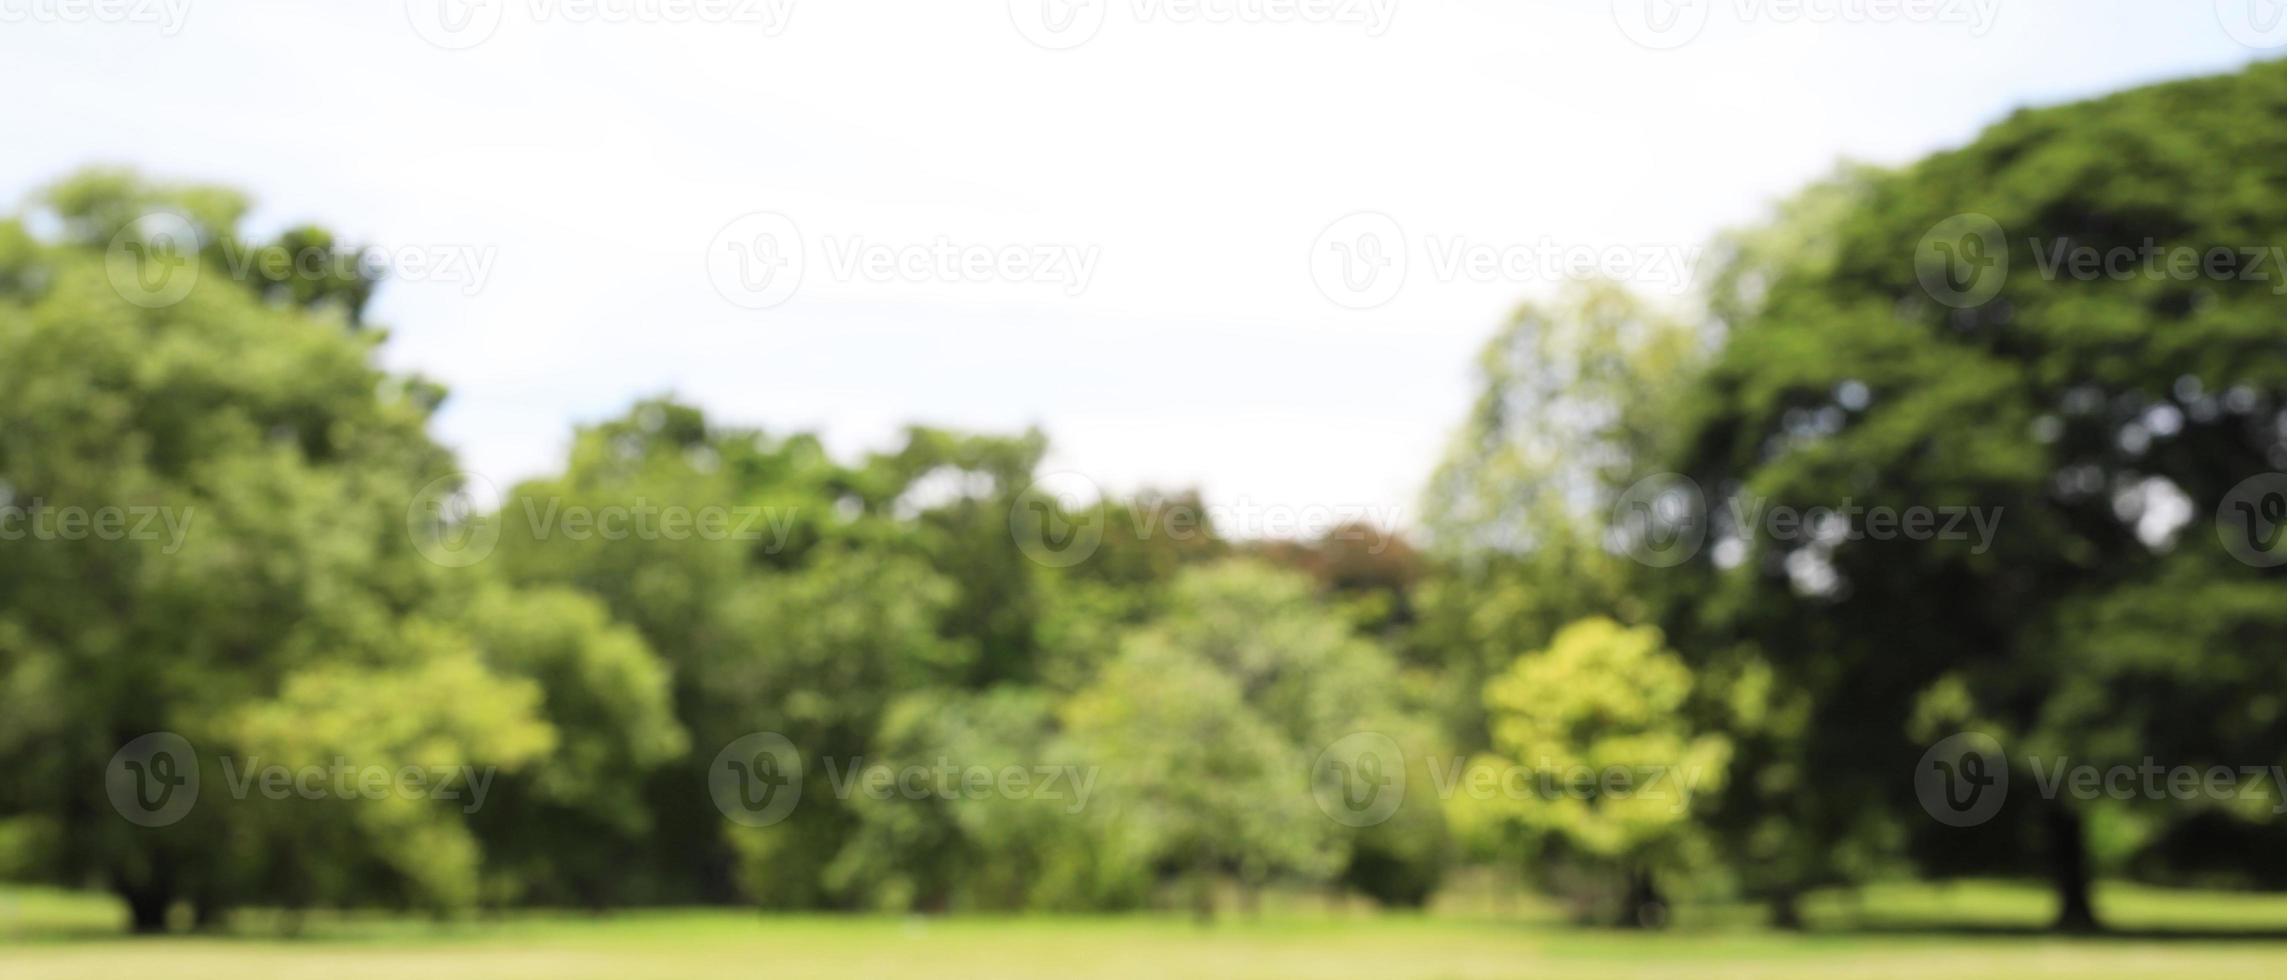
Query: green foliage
x=562 y=828
x=2077 y=409
x=278 y=611
x=1576 y=396
x=933 y=835
x=882 y=615
x=1576 y=404
x=440 y=707
x=1204 y=783
x=1594 y=729
x=1209 y=716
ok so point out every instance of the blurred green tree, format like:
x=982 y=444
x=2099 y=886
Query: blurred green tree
x=1595 y=729
x=279 y=612
x=1576 y=404
x=1207 y=723
x=1921 y=344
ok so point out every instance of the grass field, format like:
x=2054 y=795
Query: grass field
x=1958 y=931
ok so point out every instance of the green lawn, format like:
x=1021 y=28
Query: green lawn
x=1887 y=932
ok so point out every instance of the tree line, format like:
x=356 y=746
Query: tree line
x=1598 y=658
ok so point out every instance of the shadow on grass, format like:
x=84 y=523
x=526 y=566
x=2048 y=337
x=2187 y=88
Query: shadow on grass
x=330 y=930
x=381 y=928
x=1974 y=930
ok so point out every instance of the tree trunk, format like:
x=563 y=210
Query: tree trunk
x=1786 y=912
x=147 y=906
x=207 y=914
x=209 y=908
x=1641 y=907
x=2068 y=870
x=148 y=895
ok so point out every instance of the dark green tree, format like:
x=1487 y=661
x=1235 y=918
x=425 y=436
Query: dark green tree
x=1913 y=341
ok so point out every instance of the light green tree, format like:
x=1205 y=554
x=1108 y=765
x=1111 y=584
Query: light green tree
x=1597 y=759
x=1209 y=719
x=818 y=655
x=1575 y=404
x=1197 y=782
x=988 y=812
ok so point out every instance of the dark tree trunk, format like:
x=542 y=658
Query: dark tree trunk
x=2068 y=870
x=207 y=914
x=1641 y=907
x=149 y=895
x=147 y=906
x=1786 y=912
x=209 y=909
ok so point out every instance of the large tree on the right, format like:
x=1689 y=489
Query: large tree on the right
x=1933 y=337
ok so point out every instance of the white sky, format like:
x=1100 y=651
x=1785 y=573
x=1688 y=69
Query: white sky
x=595 y=163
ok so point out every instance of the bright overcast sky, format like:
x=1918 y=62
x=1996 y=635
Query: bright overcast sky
x=1188 y=166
